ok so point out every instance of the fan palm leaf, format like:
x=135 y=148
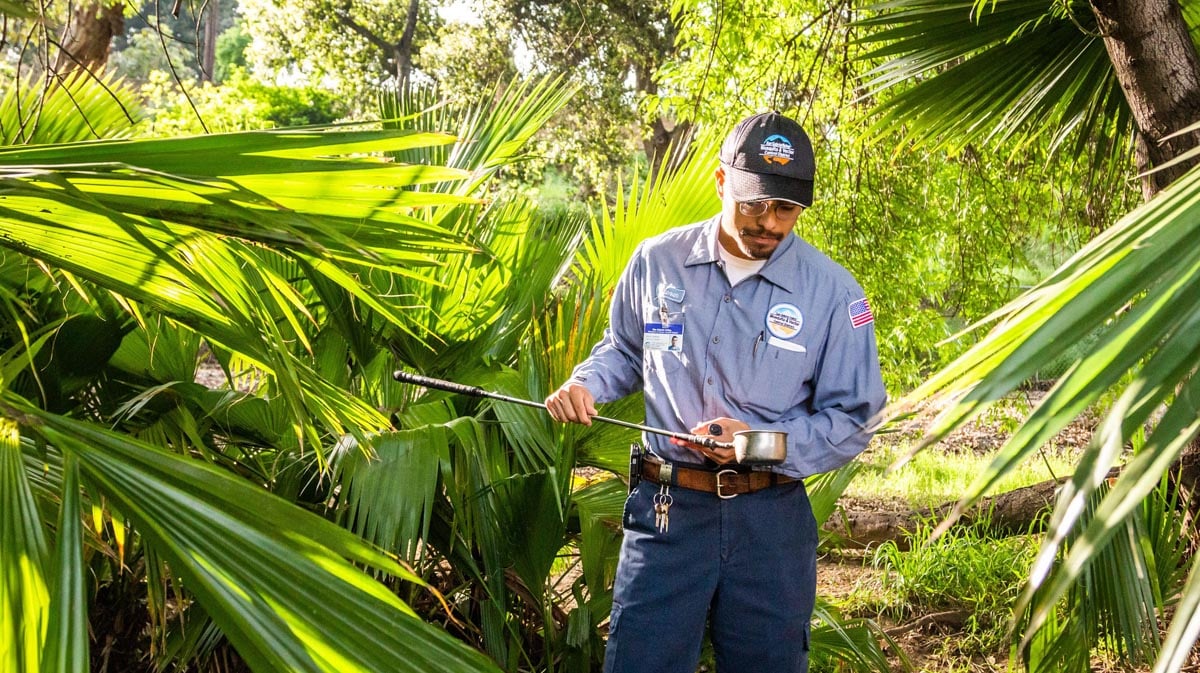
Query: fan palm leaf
x=245 y=551
x=253 y=244
x=1048 y=73
x=109 y=212
x=79 y=107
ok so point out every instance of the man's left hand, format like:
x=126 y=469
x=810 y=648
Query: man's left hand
x=721 y=430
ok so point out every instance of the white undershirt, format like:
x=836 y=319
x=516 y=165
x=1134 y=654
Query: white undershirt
x=738 y=269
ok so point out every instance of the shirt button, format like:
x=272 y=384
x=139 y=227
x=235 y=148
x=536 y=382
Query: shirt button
x=709 y=381
x=728 y=299
x=716 y=339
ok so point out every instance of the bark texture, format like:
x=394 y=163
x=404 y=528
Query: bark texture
x=88 y=36
x=1159 y=70
x=1013 y=513
x=1024 y=510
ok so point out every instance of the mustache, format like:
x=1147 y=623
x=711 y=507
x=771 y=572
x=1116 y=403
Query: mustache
x=760 y=232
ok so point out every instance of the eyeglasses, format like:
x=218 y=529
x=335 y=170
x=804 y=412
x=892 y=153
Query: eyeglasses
x=784 y=211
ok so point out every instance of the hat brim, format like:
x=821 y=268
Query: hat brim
x=745 y=185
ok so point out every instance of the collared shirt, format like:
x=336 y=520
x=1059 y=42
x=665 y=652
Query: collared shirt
x=787 y=349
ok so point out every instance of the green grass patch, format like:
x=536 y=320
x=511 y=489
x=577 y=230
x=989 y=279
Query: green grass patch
x=934 y=477
x=967 y=575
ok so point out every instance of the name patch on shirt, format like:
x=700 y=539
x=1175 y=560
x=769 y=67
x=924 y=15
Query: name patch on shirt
x=784 y=321
x=672 y=293
x=663 y=337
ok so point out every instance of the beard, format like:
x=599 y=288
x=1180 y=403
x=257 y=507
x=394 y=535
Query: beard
x=759 y=243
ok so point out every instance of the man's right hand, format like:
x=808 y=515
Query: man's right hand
x=572 y=403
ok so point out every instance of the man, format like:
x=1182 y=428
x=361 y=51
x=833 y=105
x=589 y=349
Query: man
x=772 y=335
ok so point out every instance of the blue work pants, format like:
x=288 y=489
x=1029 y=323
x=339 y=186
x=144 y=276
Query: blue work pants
x=745 y=566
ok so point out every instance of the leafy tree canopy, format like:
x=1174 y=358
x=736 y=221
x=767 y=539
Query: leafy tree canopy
x=350 y=47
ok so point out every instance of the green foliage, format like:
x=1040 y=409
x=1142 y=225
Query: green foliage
x=737 y=58
x=1049 y=74
x=1115 y=604
x=937 y=242
x=965 y=570
x=154 y=49
x=467 y=58
x=350 y=48
x=1136 y=281
x=239 y=104
x=935 y=478
x=142 y=250
x=231 y=53
x=614 y=51
x=82 y=108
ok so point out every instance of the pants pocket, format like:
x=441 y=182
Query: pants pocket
x=611 y=648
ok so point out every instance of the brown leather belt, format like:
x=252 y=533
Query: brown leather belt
x=725 y=483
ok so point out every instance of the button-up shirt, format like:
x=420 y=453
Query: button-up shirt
x=791 y=348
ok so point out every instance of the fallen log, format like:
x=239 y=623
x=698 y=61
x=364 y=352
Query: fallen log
x=1021 y=511
x=1017 y=512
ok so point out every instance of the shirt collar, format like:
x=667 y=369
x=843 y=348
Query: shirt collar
x=780 y=269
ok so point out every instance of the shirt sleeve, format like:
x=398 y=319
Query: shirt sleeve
x=848 y=394
x=614 y=367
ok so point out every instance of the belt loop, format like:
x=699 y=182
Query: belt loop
x=719 y=493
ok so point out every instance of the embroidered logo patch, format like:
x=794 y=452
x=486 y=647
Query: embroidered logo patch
x=784 y=320
x=860 y=313
x=673 y=293
x=777 y=150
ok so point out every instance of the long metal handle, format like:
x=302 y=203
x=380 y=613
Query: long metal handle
x=473 y=391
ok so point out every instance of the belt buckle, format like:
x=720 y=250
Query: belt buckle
x=719 y=493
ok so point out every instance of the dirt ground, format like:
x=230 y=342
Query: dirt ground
x=928 y=640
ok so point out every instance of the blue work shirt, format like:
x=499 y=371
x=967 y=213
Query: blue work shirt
x=790 y=348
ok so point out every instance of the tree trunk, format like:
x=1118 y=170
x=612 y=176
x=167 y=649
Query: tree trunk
x=208 y=53
x=404 y=48
x=88 y=35
x=1158 y=67
x=1024 y=510
x=1159 y=70
x=661 y=141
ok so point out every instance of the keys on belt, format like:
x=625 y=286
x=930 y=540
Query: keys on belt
x=726 y=483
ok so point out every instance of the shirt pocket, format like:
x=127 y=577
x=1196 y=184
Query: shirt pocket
x=777 y=376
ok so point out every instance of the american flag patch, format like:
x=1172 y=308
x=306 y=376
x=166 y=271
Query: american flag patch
x=860 y=313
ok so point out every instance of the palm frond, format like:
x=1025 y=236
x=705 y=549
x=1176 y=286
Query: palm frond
x=244 y=553
x=188 y=244
x=852 y=642
x=24 y=560
x=1185 y=628
x=493 y=131
x=1048 y=75
x=389 y=495
x=75 y=108
x=663 y=200
x=66 y=647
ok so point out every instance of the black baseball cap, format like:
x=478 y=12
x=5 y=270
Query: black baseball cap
x=768 y=156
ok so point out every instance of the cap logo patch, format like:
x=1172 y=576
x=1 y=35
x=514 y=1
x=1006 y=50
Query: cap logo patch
x=777 y=150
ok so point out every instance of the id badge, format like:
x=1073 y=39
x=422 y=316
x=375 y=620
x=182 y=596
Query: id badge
x=663 y=337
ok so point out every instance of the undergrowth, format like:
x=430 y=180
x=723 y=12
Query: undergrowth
x=967 y=575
